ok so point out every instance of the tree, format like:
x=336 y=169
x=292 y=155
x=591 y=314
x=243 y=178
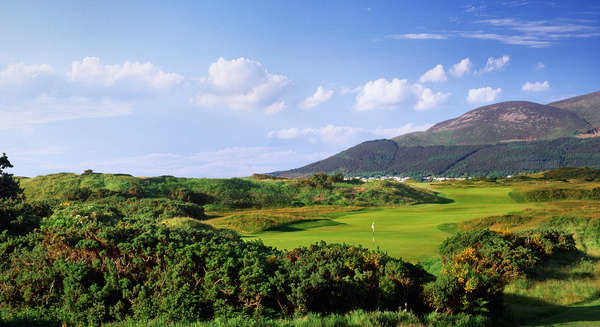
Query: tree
x=9 y=187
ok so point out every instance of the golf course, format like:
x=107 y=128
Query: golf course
x=413 y=232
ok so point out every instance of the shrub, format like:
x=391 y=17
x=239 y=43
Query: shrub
x=339 y=278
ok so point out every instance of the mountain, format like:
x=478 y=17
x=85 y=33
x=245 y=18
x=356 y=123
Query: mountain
x=500 y=139
x=501 y=122
x=459 y=160
x=585 y=106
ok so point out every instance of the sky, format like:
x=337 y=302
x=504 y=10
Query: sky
x=231 y=88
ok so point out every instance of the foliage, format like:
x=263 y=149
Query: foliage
x=9 y=187
x=339 y=278
x=233 y=193
x=97 y=272
x=478 y=265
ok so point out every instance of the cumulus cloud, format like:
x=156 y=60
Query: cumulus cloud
x=319 y=97
x=274 y=108
x=130 y=77
x=483 y=95
x=495 y=64
x=435 y=74
x=21 y=73
x=461 y=68
x=26 y=80
x=343 y=135
x=428 y=99
x=241 y=84
x=535 y=86
x=384 y=94
x=36 y=94
x=47 y=109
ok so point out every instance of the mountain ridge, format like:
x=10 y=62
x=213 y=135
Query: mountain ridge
x=529 y=136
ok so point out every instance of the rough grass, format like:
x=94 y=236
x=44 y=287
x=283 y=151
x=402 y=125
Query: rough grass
x=357 y=318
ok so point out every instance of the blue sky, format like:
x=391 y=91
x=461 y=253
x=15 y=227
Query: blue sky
x=229 y=88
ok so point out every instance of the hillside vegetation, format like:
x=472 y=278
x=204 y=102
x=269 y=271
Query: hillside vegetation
x=223 y=193
x=373 y=158
x=501 y=139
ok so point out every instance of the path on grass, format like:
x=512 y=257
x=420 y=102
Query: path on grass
x=411 y=232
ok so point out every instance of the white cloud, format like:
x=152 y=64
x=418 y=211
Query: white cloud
x=130 y=77
x=417 y=36
x=241 y=84
x=274 y=108
x=36 y=94
x=407 y=128
x=428 y=99
x=227 y=162
x=26 y=81
x=535 y=86
x=540 y=65
x=381 y=94
x=285 y=134
x=495 y=63
x=459 y=69
x=47 y=109
x=21 y=73
x=483 y=95
x=435 y=74
x=319 y=97
x=530 y=41
x=343 y=135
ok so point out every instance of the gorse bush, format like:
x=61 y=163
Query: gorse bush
x=478 y=264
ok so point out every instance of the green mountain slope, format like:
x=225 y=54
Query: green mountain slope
x=499 y=139
x=586 y=106
x=462 y=160
x=501 y=122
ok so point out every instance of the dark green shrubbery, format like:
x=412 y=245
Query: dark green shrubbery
x=338 y=278
x=98 y=272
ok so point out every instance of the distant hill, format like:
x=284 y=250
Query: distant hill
x=456 y=161
x=585 y=106
x=499 y=139
x=501 y=122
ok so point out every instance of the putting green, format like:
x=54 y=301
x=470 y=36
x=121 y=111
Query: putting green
x=411 y=232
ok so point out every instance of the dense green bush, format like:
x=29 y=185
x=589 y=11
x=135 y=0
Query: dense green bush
x=98 y=272
x=339 y=278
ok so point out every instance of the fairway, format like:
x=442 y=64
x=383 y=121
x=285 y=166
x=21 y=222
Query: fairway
x=410 y=232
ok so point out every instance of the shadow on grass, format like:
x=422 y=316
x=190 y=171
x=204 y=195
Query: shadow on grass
x=529 y=311
x=305 y=225
x=555 y=266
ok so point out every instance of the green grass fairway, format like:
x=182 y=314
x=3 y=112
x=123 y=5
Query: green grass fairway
x=411 y=232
